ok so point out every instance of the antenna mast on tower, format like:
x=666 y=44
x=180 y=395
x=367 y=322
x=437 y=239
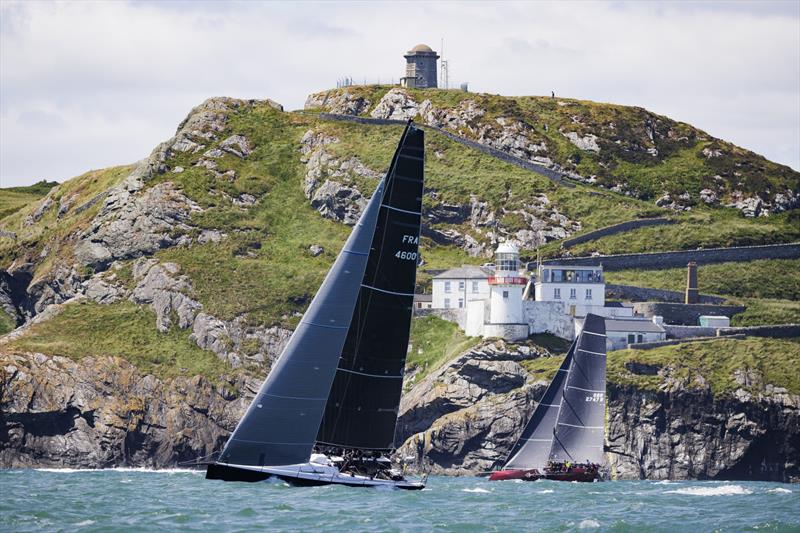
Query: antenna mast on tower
x=444 y=68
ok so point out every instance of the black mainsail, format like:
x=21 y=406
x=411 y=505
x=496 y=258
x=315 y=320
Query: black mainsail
x=340 y=375
x=532 y=450
x=568 y=424
x=579 y=432
x=361 y=411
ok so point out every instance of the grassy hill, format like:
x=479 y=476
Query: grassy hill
x=262 y=273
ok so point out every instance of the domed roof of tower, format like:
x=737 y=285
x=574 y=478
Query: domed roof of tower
x=421 y=48
x=507 y=248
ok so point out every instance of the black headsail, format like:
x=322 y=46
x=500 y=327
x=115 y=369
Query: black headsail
x=579 y=433
x=281 y=424
x=362 y=407
x=532 y=450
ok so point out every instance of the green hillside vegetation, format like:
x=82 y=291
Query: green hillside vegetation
x=625 y=134
x=87 y=329
x=713 y=362
x=761 y=311
x=12 y=199
x=696 y=364
x=702 y=228
x=768 y=278
x=263 y=268
x=434 y=341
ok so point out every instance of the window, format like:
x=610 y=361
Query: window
x=461 y=285
x=505 y=294
x=507 y=262
x=446 y=286
x=557 y=294
x=588 y=294
x=474 y=286
x=631 y=338
x=638 y=338
x=460 y=303
x=573 y=293
x=447 y=303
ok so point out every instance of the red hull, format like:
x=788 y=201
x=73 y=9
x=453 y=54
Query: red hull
x=505 y=475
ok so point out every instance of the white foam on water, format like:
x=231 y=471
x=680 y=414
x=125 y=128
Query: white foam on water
x=85 y=523
x=665 y=482
x=588 y=523
x=122 y=469
x=476 y=490
x=545 y=491
x=779 y=490
x=724 y=490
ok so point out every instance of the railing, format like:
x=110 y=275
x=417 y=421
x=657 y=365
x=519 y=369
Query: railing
x=507 y=280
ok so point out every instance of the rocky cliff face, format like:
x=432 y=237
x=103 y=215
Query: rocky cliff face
x=102 y=412
x=466 y=416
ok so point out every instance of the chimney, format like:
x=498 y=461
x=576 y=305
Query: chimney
x=692 y=292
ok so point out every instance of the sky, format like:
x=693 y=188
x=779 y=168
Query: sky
x=87 y=85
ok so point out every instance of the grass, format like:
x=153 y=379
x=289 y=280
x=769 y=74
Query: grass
x=713 y=362
x=768 y=278
x=766 y=311
x=12 y=199
x=124 y=330
x=433 y=342
x=6 y=323
x=705 y=228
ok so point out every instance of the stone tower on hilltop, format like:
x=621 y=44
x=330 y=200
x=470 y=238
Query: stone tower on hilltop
x=420 y=68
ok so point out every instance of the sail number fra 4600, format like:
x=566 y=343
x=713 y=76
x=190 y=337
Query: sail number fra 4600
x=408 y=256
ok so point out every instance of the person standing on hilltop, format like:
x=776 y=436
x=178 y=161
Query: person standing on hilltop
x=552 y=94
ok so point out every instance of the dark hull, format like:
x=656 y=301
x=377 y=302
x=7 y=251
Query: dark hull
x=227 y=473
x=579 y=475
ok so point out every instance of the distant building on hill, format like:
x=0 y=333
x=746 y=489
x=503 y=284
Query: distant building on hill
x=420 y=68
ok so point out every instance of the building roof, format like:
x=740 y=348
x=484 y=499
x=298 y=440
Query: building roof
x=423 y=297
x=639 y=325
x=466 y=272
x=618 y=304
x=421 y=48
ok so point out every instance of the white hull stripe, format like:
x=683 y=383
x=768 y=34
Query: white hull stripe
x=580 y=427
x=593 y=353
x=384 y=376
x=539 y=440
x=592 y=333
x=400 y=210
x=586 y=390
x=551 y=404
x=387 y=292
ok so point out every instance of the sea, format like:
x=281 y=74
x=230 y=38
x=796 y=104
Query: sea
x=122 y=500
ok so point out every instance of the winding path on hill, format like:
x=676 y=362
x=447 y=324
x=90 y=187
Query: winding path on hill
x=552 y=175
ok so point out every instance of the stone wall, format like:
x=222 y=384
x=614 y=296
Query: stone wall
x=678 y=259
x=510 y=332
x=616 y=228
x=549 y=317
x=658 y=344
x=643 y=294
x=457 y=316
x=688 y=332
x=775 y=331
x=684 y=314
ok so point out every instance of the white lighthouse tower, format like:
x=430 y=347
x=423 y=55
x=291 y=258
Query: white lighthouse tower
x=506 y=317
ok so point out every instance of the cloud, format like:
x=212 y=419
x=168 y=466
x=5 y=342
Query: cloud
x=92 y=84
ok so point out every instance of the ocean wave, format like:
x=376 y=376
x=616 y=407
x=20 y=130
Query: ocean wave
x=724 y=490
x=779 y=490
x=545 y=491
x=476 y=490
x=588 y=523
x=665 y=482
x=85 y=523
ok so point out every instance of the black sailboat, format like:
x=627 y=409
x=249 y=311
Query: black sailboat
x=564 y=439
x=328 y=409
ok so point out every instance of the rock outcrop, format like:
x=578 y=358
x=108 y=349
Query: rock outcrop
x=103 y=412
x=329 y=179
